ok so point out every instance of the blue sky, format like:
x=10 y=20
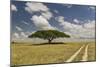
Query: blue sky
x=76 y=20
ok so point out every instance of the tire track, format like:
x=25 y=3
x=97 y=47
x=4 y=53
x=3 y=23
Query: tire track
x=85 y=55
x=75 y=54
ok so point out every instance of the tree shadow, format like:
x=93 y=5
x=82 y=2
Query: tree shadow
x=53 y=43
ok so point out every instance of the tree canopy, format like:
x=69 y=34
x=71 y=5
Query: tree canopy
x=48 y=35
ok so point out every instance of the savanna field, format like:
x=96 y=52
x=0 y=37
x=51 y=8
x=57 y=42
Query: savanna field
x=52 y=33
x=26 y=54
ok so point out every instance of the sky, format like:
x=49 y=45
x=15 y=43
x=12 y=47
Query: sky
x=76 y=20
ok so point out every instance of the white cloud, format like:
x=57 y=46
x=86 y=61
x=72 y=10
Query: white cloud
x=35 y=7
x=25 y=22
x=68 y=5
x=41 y=23
x=60 y=19
x=32 y=7
x=86 y=30
x=15 y=35
x=28 y=10
x=18 y=28
x=29 y=33
x=13 y=7
x=76 y=20
x=23 y=35
x=56 y=11
x=20 y=35
x=92 y=7
x=90 y=24
x=47 y=15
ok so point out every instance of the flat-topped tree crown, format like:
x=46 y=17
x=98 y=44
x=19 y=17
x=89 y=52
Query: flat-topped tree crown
x=48 y=35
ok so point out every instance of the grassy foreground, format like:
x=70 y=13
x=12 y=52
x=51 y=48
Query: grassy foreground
x=24 y=54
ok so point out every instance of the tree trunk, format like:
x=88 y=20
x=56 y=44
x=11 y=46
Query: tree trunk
x=49 y=41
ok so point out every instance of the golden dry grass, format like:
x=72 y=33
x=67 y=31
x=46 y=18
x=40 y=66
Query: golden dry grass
x=92 y=51
x=24 y=54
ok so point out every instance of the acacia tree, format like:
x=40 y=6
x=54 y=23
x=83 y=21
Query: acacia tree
x=48 y=35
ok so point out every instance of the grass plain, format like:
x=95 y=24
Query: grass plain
x=27 y=54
